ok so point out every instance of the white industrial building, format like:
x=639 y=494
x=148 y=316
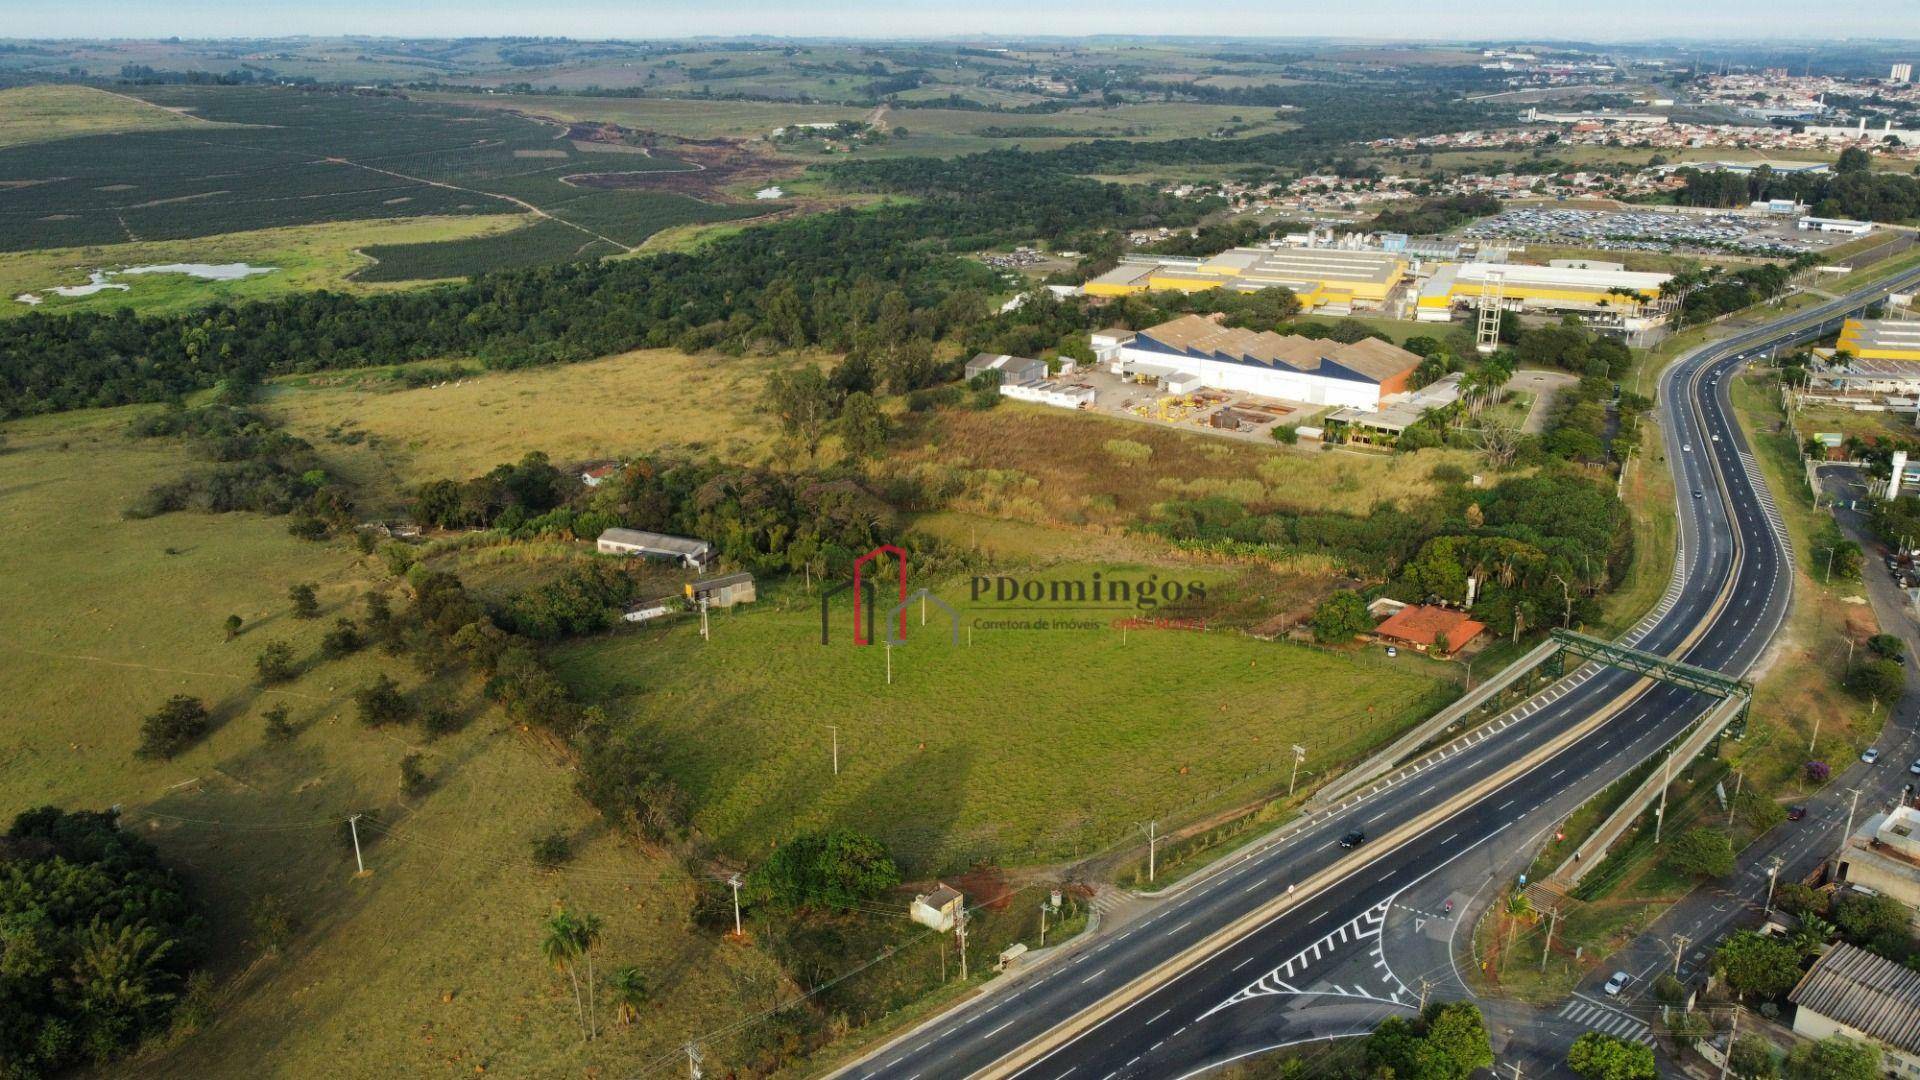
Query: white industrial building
x=1835 y=225
x=1194 y=351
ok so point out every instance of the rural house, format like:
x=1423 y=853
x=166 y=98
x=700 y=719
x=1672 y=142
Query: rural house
x=723 y=591
x=938 y=909
x=1424 y=627
x=694 y=554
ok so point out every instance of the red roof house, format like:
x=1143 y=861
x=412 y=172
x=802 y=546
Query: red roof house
x=1423 y=627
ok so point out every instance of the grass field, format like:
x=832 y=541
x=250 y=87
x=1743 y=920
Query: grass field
x=387 y=438
x=31 y=114
x=428 y=966
x=1029 y=745
x=307 y=257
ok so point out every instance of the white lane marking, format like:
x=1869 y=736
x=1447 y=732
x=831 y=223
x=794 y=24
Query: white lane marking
x=1093 y=976
x=999 y=1029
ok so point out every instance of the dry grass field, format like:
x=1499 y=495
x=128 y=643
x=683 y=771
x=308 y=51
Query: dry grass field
x=388 y=438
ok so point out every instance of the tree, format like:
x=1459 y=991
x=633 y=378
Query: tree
x=172 y=727
x=629 y=986
x=1834 y=1058
x=1701 y=853
x=587 y=927
x=1753 y=1058
x=1853 y=160
x=1757 y=965
x=1877 y=922
x=233 y=624
x=1447 y=1042
x=863 y=428
x=278 y=728
x=275 y=663
x=381 y=702
x=835 y=869
x=1881 y=680
x=1886 y=645
x=306 y=603
x=1597 y=1056
x=1340 y=616
x=803 y=402
x=100 y=939
x=560 y=945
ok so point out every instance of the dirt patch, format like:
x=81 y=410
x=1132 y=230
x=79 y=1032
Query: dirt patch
x=541 y=154
x=115 y=187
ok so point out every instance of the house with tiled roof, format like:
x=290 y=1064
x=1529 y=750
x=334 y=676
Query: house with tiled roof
x=1425 y=627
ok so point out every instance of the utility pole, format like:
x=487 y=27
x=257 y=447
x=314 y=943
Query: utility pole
x=1553 y=920
x=835 y=728
x=1847 y=832
x=1732 y=1033
x=889 y=663
x=1666 y=781
x=1426 y=984
x=1299 y=755
x=1679 y=950
x=960 y=932
x=705 y=634
x=693 y=1061
x=1816 y=731
x=734 y=880
x=1152 y=829
x=353 y=826
x=1773 y=871
x=1043 y=924
x=1739 y=777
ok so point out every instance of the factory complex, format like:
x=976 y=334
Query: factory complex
x=1194 y=351
x=1880 y=339
x=1342 y=281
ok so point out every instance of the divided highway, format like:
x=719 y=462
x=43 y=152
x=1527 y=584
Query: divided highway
x=1206 y=978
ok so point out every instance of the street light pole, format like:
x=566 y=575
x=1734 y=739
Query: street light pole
x=1299 y=755
x=1852 y=807
x=1772 y=872
x=1666 y=781
x=734 y=880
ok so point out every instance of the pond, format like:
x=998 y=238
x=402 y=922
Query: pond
x=100 y=280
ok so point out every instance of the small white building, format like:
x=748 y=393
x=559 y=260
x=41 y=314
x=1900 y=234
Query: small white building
x=1835 y=225
x=1047 y=392
x=939 y=909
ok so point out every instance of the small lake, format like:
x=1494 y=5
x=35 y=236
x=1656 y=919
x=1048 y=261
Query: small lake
x=101 y=280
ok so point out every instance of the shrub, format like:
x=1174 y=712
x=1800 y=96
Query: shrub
x=233 y=624
x=1597 y=1056
x=441 y=719
x=413 y=775
x=1129 y=452
x=1340 y=616
x=1758 y=965
x=306 y=603
x=1701 y=853
x=342 y=640
x=552 y=850
x=275 y=663
x=1818 y=771
x=1286 y=433
x=1798 y=899
x=278 y=727
x=381 y=702
x=271 y=921
x=172 y=727
x=1881 y=680
x=836 y=869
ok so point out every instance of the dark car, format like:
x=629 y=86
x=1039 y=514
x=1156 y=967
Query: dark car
x=1795 y=813
x=1353 y=839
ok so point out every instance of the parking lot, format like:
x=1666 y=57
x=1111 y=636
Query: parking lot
x=1647 y=230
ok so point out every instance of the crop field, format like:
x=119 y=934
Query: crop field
x=303 y=256
x=39 y=113
x=389 y=439
x=431 y=964
x=967 y=753
x=305 y=158
x=529 y=245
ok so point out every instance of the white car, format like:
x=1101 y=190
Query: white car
x=1872 y=755
x=1617 y=983
x=1716 y=438
x=1687 y=448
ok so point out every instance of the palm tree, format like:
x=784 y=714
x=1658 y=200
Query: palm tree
x=560 y=944
x=119 y=971
x=629 y=993
x=587 y=933
x=1519 y=909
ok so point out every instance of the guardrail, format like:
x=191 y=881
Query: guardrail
x=1384 y=761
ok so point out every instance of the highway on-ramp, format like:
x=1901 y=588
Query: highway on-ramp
x=1214 y=972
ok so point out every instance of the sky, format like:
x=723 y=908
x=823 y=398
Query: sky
x=1608 y=20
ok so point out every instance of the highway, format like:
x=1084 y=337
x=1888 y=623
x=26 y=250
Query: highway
x=1210 y=976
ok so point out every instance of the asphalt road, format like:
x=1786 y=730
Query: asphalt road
x=1240 y=1000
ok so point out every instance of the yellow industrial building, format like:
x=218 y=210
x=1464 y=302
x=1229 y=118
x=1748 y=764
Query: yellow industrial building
x=1520 y=287
x=1333 y=280
x=1880 y=339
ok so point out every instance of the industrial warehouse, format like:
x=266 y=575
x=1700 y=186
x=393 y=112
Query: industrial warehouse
x=1873 y=358
x=1194 y=351
x=1332 y=281
x=1565 y=285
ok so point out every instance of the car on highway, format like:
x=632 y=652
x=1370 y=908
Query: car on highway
x=1696 y=493
x=1688 y=448
x=1914 y=768
x=1872 y=755
x=1617 y=983
x=1354 y=839
x=1795 y=813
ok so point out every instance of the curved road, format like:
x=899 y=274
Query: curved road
x=1730 y=591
